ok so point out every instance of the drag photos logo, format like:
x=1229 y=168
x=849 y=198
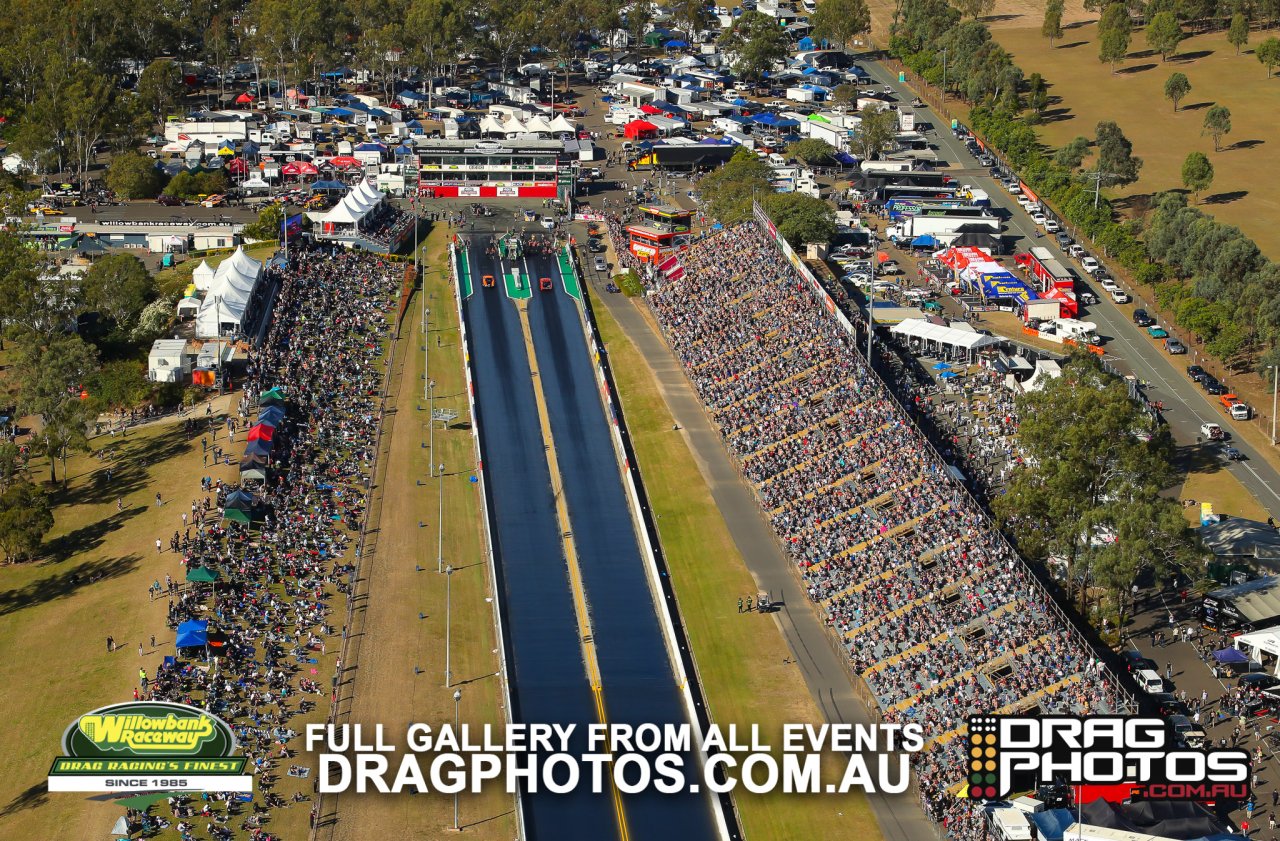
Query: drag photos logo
x=1008 y=754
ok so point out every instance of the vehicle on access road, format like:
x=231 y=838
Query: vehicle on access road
x=488 y=281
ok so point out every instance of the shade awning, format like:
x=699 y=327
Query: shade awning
x=202 y=575
x=1230 y=656
x=261 y=432
x=192 y=633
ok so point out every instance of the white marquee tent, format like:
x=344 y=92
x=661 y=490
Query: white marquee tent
x=226 y=301
x=1257 y=643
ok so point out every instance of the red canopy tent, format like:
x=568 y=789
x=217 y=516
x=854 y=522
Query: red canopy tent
x=649 y=108
x=261 y=432
x=344 y=161
x=237 y=166
x=640 y=130
x=298 y=168
x=244 y=98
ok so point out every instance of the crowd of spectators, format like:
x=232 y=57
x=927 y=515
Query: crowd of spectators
x=273 y=610
x=387 y=226
x=938 y=615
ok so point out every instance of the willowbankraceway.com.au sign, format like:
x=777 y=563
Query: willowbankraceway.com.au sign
x=149 y=746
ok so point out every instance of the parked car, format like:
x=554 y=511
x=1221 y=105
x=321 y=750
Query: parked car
x=1013 y=187
x=1197 y=373
x=890 y=267
x=1063 y=238
x=1174 y=346
x=600 y=264
x=1215 y=387
x=595 y=246
x=169 y=201
x=1135 y=662
x=1039 y=218
x=1106 y=282
x=1120 y=296
x=1141 y=318
x=548 y=222
x=1051 y=225
x=1090 y=264
x=1155 y=331
x=1258 y=680
x=1075 y=250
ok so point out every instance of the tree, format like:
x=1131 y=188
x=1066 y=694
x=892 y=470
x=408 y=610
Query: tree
x=1238 y=31
x=1164 y=33
x=841 y=21
x=1176 y=87
x=800 y=218
x=49 y=373
x=119 y=287
x=1116 y=160
x=25 y=518
x=812 y=151
x=730 y=190
x=1217 y=122
x=268 y=226
x=1072 y=155
x=133 y=175
x=758 y=41
x=160 y=89
x=1051 y=28
x=876 y=131
x=1037 y=94
x=1197 y=173
x=1113 y=34
x=1096 y=468
x=845 y=93
x=1268 y=53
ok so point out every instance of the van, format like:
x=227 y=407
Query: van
x=1187 y=731
x=1149 y=681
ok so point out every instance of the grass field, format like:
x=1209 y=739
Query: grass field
x=1084 y=91
x=387 y=690
x=743 y=661
x=56 y=613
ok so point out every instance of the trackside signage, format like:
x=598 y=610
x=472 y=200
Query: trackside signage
x=149 y=746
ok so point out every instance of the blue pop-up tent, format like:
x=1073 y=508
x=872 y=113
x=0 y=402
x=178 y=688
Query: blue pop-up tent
x=194 y=633
x=1231 y=656
x=271 y=416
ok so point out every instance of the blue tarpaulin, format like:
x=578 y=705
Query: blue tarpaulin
x=924 y=241
x=1053 y=823
x=192 y=633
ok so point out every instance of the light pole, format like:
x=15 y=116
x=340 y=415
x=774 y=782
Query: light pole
x=431 y=421
x=448 y=624
x=440 y=518
x=1275 y=384
x=457 y=698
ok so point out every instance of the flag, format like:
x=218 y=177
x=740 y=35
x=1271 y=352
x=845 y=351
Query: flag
x=291 y=226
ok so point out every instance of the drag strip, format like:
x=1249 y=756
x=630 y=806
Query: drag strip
x=548 y=678
x=637 y=675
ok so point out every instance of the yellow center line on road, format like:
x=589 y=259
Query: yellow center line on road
x=585 y=634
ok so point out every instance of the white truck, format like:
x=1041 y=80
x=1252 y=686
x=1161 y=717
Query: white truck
x=914 y=226
x=887 y=166
x=906 y=119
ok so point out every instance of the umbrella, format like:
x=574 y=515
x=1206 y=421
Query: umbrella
x=942 y=366
x=948 y=375
x=235 y=515
x=202 y=575
x=883 y=256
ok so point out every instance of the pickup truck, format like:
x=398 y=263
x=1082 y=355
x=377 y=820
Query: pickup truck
x=1238 y=409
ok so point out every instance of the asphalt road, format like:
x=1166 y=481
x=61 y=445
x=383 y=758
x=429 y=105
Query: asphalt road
x=637 y=674
x=1129 y=349
x=549 y=681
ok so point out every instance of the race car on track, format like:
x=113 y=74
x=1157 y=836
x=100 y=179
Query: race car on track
x=545 y=284
x=487 y=280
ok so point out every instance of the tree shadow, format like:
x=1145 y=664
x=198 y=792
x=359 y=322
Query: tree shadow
x=129 y=462
x=1225 y=198
x=62 y=584
x=34 y=797
x=1072 y=45
x=87 y=537
x=1135 y=201
x=1244 y=144
x=1137 y=54
x=998 y=18
x=1079 y=23
x=1196 y=106
x=1192 y=56
x=1137 y=68
x=1057 y=115
x=1205 y=457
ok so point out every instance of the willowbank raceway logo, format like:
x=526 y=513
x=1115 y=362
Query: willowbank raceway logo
x=149 y=746
x=1008 y=754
